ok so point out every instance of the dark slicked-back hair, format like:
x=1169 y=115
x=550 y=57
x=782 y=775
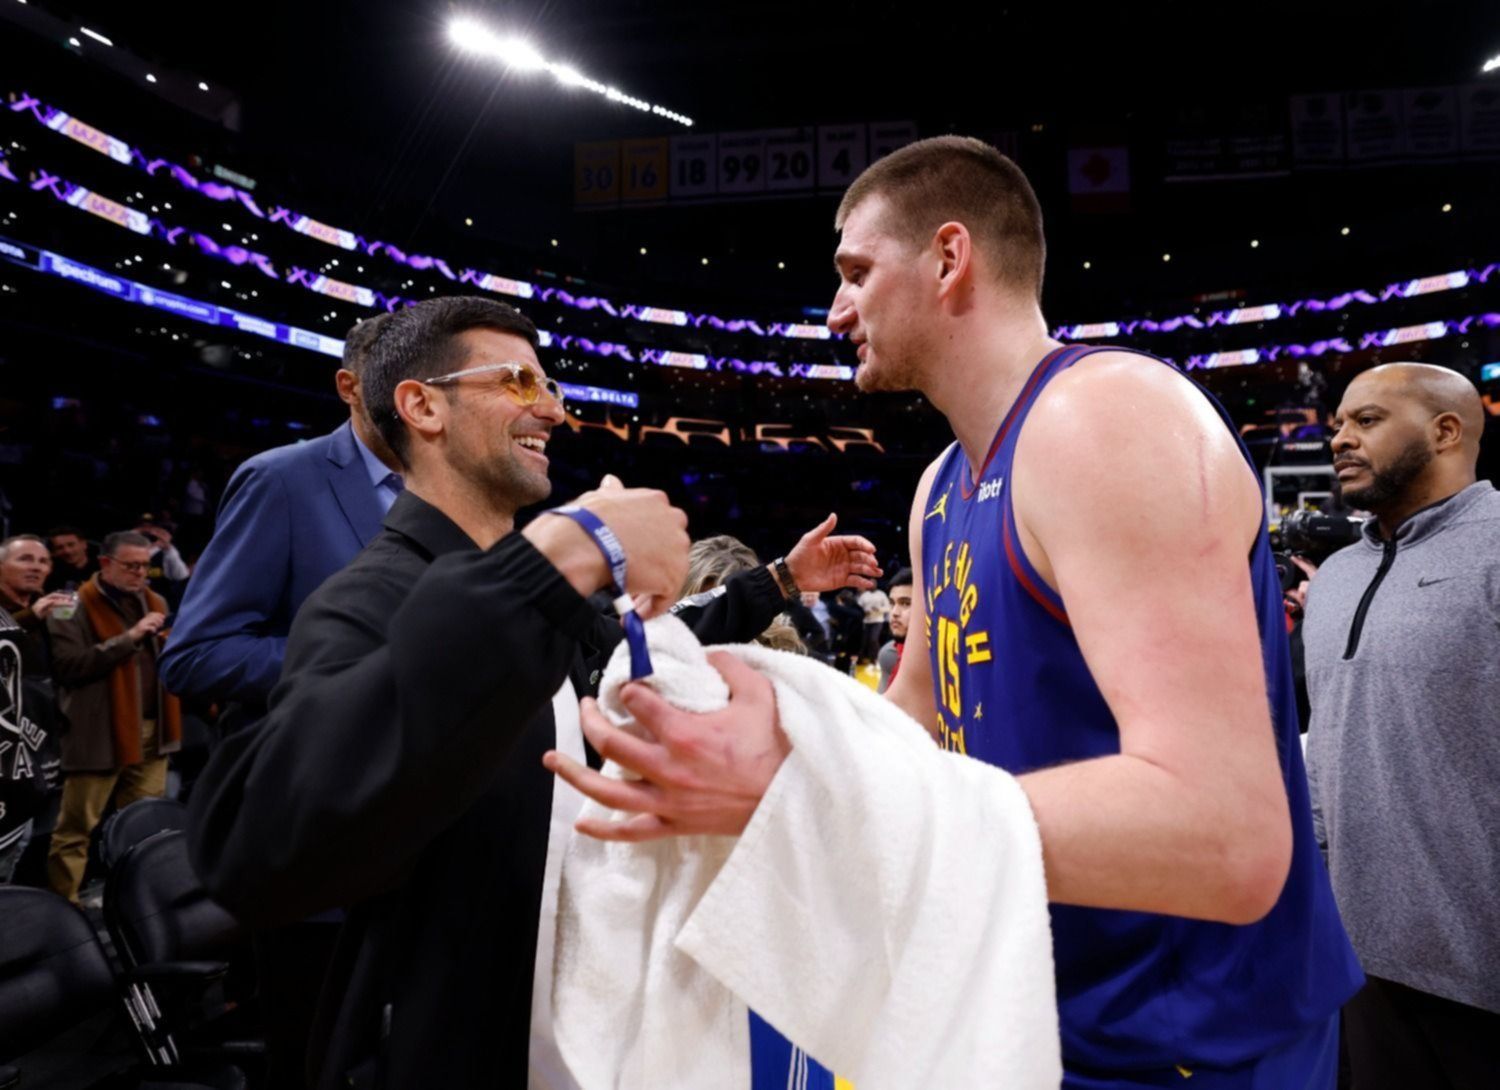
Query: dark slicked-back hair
x=358 y=341
x=421 y=341
x=963 y=180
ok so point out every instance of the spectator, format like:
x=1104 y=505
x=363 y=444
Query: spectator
x=24 y=564
x=847 y=624
x=1402 y=638
x=169 y=572
x=725 y=574
x=890 y=655
x=290 y=518
x=398 y=771
x=122 y=723
x=877 y=609
x=194 y=496
x=72 y=559
x=809 y=616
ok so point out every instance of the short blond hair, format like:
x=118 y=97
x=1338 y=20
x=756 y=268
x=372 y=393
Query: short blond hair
x=714 y=560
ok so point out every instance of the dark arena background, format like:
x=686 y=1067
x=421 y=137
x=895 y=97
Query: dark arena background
x=1275 y=202
x=198 y=202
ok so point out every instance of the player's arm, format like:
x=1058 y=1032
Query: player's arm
x=1133 y=500
x=911 y=688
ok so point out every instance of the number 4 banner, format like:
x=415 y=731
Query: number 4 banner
x=841 y=155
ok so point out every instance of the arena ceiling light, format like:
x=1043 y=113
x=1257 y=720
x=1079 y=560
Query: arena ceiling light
x=94 y=34
x=1492 y=64
x=517 y=53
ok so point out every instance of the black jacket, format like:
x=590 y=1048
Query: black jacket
x=744 y=605
x=398 y=775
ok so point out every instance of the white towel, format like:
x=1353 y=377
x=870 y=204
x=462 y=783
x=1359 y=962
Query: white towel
x=885 y=909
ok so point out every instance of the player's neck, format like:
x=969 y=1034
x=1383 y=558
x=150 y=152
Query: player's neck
x=979 y=384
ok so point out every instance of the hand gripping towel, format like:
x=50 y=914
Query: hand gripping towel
x=885 y=908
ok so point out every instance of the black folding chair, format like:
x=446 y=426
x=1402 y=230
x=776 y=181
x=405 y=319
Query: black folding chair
x=59 y=1004
x=126 y=828
x=178 y=946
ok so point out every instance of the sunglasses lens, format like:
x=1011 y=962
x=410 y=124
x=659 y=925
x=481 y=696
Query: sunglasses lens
x=523 y=382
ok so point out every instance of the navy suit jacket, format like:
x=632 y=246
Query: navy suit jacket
x=290 y=518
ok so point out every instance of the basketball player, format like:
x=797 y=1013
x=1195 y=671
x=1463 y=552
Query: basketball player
x=1150 y=721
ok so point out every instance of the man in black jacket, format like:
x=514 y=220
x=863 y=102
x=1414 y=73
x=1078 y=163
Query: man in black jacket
x=398 y=771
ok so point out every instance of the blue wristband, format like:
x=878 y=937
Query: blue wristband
x=614 y=556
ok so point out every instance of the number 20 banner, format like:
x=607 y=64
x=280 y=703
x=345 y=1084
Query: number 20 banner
x=731 y=165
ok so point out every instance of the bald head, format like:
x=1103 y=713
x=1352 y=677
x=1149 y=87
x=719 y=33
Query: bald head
x=1438 y=390
x=1407 y=436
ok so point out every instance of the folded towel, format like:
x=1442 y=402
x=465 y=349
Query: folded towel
x=885 y=908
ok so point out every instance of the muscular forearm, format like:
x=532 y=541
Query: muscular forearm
x=914 y=706
x=1122 y=832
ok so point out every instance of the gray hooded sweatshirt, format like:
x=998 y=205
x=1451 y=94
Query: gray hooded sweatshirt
x=1402 y=645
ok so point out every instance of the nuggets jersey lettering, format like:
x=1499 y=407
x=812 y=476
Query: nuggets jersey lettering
x=1136 y=991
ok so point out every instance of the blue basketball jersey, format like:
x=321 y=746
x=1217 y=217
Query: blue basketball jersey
x=1136 y=991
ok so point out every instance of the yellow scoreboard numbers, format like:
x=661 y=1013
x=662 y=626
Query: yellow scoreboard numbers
x=596 y=172
x=645 y=171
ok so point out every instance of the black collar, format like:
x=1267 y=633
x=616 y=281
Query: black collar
x=432 y=531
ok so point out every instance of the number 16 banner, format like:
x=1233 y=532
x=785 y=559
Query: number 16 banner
x=643 y=170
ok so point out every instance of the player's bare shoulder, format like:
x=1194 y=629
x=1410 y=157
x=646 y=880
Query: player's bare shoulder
x=1128 y=432
x=1122 y=393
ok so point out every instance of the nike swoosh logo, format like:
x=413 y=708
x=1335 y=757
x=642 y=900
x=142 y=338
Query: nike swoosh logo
x=1425 y=582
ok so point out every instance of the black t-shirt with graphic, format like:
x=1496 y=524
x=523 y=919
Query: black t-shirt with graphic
x=30 y=766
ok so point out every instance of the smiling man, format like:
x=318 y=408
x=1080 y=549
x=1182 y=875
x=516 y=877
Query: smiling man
x=1402 y=636
x=397 y=773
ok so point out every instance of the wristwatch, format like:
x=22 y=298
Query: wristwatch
x=783 y=576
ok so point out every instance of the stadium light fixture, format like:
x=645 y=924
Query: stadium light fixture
x=1492 y=64
x=472 y=36
x=94 y=34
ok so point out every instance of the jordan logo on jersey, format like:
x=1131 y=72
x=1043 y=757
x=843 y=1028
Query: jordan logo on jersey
x=940 y=509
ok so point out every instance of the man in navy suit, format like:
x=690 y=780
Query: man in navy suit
x=290 y=518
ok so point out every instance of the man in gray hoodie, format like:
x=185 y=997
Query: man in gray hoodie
x=1402 y=636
